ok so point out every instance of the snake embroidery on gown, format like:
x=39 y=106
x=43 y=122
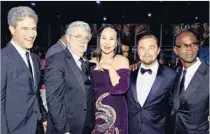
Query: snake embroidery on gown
x=111 y=116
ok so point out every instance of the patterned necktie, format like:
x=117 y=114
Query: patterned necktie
x=84 y=66
x=182 y=82
x=146 y=70
x=29 y=63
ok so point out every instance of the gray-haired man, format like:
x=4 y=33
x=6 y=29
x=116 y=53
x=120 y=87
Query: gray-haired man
x=70 y=96
x=21 y=105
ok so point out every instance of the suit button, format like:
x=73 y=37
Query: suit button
x=85 y=109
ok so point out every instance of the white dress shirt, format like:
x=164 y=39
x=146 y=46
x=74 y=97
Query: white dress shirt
x=191 y=72
x=22 y=53
x=76 y=59
x=145 y=81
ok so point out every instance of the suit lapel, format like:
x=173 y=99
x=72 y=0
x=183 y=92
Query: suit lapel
x=194 y=83
x=156 y=85
x=133 y=84
x=176 y=86
x=18 y=60
x=75 y=69
x=89 y=69
x=36 y=71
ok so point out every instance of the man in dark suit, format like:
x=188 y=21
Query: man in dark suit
x=58 y=47
x=20 y=76
x=70 y=95
x=191 y=88
x=151 y=84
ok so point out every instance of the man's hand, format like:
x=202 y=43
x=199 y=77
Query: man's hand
x=134 y=66
x=44 y=126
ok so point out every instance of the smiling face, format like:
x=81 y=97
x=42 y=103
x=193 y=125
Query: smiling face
x=24 y=32
x=78 y=41
x=108 y=40
x=148 y=50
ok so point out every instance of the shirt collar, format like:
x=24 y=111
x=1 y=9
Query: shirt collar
x=154 y=67
x=76 y=58
x=194 y=67
x=20 y=50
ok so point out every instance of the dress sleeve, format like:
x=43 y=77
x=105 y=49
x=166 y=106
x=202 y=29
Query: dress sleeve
x=123 y=85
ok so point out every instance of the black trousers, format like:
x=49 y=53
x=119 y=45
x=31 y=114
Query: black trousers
x=39 y=128
x=86 y=130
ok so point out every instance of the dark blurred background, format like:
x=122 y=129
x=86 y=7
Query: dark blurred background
x=165 y=19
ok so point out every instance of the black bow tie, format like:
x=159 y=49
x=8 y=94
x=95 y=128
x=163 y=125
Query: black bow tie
x=146 y=70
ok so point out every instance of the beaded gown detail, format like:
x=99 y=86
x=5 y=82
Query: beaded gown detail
x=111 y=114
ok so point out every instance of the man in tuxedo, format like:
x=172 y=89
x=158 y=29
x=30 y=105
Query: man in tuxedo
x=70 y=95
x=59 y=46
x=21 y=104
x=150 y=88
x=191 y=88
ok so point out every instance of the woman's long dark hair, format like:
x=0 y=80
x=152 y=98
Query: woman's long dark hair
x=98 y=48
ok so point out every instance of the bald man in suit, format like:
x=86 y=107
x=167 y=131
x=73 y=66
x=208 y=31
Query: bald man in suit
x=191 y=88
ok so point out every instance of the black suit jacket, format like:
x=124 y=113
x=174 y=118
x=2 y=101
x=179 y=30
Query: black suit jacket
x=56 y=48
x=151 y=117
x=68 y=101
x=20 y=97
x=191 y=109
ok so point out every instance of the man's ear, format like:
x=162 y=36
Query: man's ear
x=67 y=37
x=12 y=30
x=159 y=50
x=175 y=50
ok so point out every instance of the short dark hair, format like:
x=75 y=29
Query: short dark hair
x=147 y=35
x=126 y=41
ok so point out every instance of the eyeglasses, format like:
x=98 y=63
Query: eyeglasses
x=80 y=38
x=185 y=46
